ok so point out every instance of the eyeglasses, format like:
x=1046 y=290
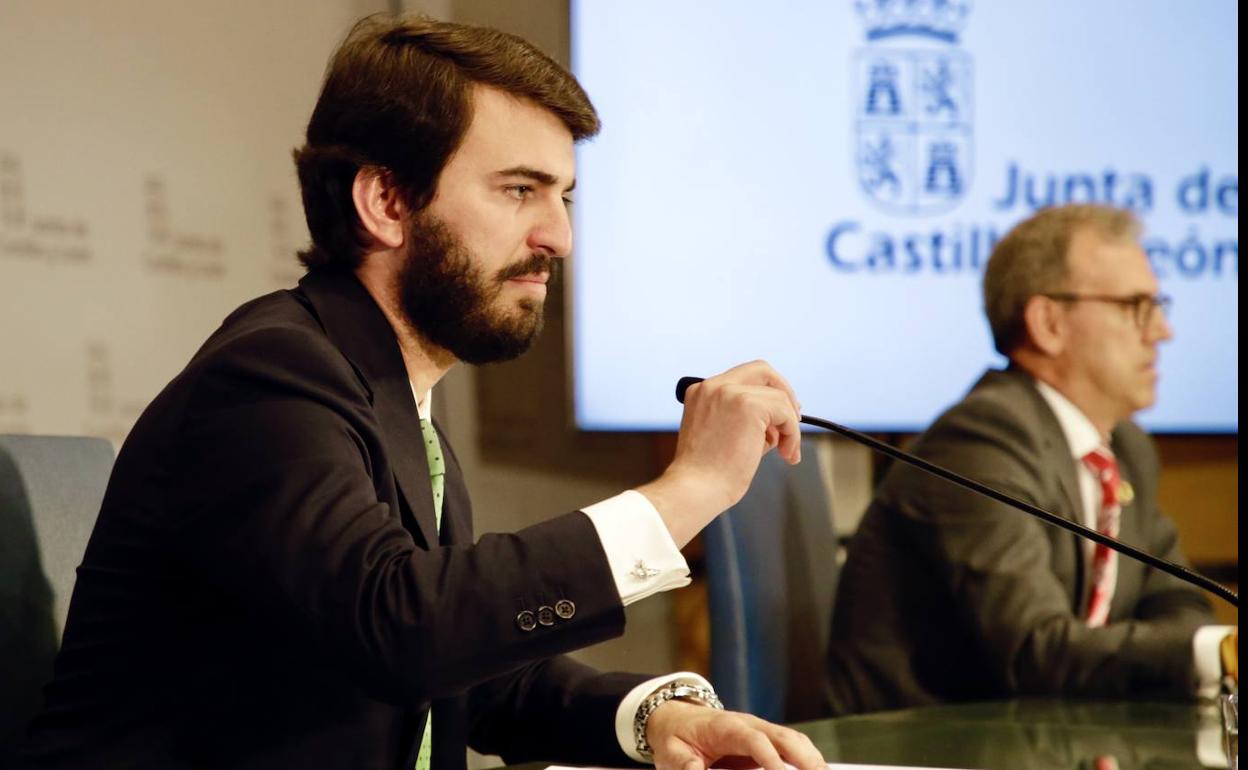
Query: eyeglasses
x=1142 y=306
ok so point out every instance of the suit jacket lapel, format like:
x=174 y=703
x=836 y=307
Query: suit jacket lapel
x=1126 y=471
x=1056 y=454
x=456 y=506
x=360 y=330
x=1061 y=459
x=1056 y=450
x=1068 y=480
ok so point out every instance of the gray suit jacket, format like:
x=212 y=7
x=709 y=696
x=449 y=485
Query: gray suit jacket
x=950 y=596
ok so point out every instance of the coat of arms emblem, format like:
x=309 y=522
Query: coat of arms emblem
x=912 y=92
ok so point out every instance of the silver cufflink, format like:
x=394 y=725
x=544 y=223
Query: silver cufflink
x=642 y=572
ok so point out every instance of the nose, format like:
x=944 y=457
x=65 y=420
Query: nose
x=1159 y=329
x=552 y=232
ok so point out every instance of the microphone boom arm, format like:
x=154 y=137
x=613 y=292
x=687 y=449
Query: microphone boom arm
x=1169 y=567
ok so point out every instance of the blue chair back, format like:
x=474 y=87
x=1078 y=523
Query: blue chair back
x=50 y=493
x=63 y=480
x=771 y=576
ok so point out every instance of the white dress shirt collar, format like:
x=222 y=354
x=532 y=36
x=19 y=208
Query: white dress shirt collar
x=1081 y=435
x=424 y=404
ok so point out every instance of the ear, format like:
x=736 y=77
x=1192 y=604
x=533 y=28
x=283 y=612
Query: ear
x=379 y=206
x=1046 y=325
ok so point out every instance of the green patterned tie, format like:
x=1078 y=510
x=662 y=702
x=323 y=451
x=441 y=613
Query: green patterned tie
x=437 y=467
x=437 y=476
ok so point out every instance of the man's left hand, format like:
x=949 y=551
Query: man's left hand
x=688 y=736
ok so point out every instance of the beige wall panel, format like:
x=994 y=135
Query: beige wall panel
x=146 y=187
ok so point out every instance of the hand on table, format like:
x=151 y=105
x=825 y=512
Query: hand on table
x=689 y=736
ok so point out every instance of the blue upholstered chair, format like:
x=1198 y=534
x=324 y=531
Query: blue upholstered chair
x=771 y=575
x=63 y=480
x=50 y=493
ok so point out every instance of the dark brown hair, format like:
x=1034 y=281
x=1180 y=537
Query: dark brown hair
x=398 y=96
x=1033 y=258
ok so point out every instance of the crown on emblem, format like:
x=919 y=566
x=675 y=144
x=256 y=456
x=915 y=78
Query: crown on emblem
x=937 y=19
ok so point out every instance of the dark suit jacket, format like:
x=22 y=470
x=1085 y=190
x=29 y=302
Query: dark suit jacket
x=265 y=587
x=950 y=596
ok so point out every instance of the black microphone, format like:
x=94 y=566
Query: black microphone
x=1178 y=570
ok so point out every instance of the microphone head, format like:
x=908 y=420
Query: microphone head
x=683 y=385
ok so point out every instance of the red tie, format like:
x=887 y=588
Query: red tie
x=1104 y=561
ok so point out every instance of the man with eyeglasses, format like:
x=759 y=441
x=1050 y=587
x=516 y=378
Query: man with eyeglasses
x=949 y=596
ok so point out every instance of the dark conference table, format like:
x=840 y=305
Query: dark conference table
x=1016 y=735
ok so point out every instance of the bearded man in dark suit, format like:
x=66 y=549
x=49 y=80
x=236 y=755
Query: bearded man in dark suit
x=284 y=571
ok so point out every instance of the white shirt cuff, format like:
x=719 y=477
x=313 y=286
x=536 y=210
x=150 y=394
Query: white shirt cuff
x=1208 y=659
x=640 y=551
x=1210 y=751
x=627 y=712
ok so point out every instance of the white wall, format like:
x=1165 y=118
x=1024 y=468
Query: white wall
x=147 y=188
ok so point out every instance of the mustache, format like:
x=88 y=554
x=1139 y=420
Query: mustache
x=535 y=264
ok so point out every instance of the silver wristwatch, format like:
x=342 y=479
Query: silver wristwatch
x=678 y=689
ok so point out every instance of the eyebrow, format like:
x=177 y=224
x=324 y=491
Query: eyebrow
x=536 y=175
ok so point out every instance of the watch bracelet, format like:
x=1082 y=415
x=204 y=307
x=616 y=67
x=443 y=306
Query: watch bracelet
x=670 y=691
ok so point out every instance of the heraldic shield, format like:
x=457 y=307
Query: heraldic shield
x=913 y=119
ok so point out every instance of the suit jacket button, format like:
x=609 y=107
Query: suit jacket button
x=565 y=609
x=545 y=616
x=526 y=621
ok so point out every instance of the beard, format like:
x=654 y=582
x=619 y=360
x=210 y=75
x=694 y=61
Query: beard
x=449 y=300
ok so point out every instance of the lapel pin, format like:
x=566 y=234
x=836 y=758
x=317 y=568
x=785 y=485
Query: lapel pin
x=1126 y=493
